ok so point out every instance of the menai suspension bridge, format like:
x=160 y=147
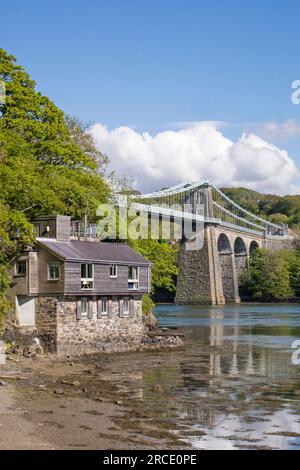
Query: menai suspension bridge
x=202 y=201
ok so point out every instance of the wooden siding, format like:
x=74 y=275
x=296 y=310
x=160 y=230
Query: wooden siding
x=44 y=285
x=36 y=281
x=103 y=283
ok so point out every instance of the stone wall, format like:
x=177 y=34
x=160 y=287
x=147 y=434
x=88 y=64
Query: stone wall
x=91 y=335
x=193 y=284
x=199 y=280
x=46 y=322
x=241 y=263
x=229 y=277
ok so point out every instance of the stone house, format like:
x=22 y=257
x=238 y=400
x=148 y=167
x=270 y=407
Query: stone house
x=78 y=296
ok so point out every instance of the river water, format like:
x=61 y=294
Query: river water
x=235 y=386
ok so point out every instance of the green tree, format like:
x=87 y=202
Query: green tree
x=47 y=165
x=36 y=118
x=164 y=259
x=268 y=276
x=83 y=139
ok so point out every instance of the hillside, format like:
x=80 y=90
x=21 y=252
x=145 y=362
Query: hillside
x=278 y=209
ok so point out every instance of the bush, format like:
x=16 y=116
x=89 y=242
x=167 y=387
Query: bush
x=147 y=304
x=271 y=275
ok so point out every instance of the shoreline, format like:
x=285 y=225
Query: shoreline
x=295 y=300
x=52 y=403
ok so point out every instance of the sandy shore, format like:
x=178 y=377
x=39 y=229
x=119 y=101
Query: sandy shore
x=46 y=403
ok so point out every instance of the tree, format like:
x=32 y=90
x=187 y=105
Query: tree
x=83 y=139
x=164 y=259
x=36 y=118
x=47 y=165
x=15 y=235
x=268 y=276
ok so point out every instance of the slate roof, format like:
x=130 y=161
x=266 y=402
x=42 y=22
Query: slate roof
x=106 y=252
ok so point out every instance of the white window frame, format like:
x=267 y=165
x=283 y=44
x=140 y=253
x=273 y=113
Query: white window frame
x=87 y=279
x=24 y=263
x=84 y=313
x=56 y=264
x=126 y=312
x=115 y=268
x=134 y=281
x=104 y=301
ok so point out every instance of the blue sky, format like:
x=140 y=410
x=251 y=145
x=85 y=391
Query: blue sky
x=150 y=65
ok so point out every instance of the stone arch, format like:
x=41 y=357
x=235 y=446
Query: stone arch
x=224 y=246
x=227 y=268
x=240 y=247
x=253 y=246
x=240 y=255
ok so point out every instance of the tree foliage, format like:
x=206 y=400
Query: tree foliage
x=47 y=165
x=271 y=275
x=164 y=259
x=277 y=209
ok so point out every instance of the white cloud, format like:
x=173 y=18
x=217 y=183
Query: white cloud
x=198 y=151
x=280 y=130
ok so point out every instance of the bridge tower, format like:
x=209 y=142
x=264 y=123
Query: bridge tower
x=207 y=275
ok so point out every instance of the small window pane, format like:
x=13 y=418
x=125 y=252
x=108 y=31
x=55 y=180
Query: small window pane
x=87 y=276
x=104 y=307
x=113 y=270
x=89 y=271
x=84 y=307
x=21 y=268
x=53 y=271
x=83 y=271
x=133 y=273
x=126 y=306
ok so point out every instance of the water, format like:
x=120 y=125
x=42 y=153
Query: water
x=235 y=386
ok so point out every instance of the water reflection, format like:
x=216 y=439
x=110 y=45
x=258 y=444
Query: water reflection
x=234 y=386
x=250 y=395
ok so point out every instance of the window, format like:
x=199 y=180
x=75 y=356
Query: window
x=104 y=307
x=87 y=276
x=133 y=277
x=53 y=271
x=84 y=307
x=21 y=268
x=113 y=270
x=126 y=307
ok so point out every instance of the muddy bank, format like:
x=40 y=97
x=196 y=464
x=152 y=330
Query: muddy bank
x=47 y=403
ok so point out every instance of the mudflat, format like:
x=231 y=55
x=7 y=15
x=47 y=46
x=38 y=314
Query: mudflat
x=50 y=403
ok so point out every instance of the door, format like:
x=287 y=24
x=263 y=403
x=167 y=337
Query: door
x=25 y=311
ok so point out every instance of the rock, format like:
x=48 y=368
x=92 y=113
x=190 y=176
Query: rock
x=157 y=388
x=2 y=383
x=119 y=402
x=42 y=387
x=76 y=383
x=99 y=398
x=59 y=392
